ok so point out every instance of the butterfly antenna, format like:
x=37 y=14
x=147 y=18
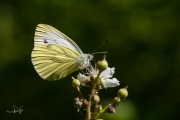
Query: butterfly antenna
x=99 y=53
x=100 y=46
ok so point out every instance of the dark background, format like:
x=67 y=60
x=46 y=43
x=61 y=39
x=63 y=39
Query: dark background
x=144 y=49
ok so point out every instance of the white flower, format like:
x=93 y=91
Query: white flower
x=106 y=78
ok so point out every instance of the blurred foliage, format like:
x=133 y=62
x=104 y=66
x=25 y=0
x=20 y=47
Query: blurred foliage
x=144 y=49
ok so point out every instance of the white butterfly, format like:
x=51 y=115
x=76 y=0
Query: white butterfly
x=55 y=55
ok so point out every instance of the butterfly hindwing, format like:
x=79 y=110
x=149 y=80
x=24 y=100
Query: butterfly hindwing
x=54 y=62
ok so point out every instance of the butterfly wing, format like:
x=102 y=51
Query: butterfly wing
x=46 y=34
x=54 y=62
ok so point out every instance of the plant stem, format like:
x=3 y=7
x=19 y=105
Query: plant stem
x=93 y=88
x=80 y=93
x=102 y=112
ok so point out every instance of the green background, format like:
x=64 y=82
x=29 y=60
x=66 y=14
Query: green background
x=144 y=49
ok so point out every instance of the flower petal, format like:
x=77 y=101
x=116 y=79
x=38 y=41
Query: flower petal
x=108 y=73
x=82 y=79
x=110 y=82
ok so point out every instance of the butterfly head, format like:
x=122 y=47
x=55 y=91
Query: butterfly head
x=85 y=61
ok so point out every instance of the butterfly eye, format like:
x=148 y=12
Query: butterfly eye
x=89 y=57
x=45 y=41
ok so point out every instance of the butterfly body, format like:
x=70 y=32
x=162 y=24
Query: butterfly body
x=55 y=55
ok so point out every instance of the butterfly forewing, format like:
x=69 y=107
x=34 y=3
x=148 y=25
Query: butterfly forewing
x=46 y=34
x=54 y=62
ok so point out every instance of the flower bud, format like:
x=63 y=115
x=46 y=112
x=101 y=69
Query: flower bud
x=102 y=64
x=95 y=99
x=78 y=103
x=111 y=109
x=122 y=93
x=99 y=108
x=117 y=100
x=93 y=77
x=75 y=82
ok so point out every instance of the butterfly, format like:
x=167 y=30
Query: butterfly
x=55 y=55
